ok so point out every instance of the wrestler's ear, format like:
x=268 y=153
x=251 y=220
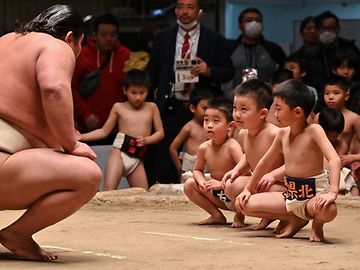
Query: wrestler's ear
x=298 y=112
x=263 y=113
x=69 y=37
x=124 y=91
x=192 y=108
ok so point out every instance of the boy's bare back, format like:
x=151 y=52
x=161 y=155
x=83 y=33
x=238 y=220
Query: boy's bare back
x=136 y=122
x=195 y=136
x=220 y=159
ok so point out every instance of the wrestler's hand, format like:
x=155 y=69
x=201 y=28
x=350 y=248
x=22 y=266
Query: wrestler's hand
x=140 y=141
x=265 y=183
x=347 y=159
x=242 y=199
x=230 y=175
x=213 y=184
x=83 y=150
x=203 y=187
x=201 y=68
x=323 y=200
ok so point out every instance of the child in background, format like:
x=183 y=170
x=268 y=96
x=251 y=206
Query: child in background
x=332 y=121
x=346 y=65
x=304 y=147
x=220 y=153
x=336 y=93
x=135 y=120
x=190 y=136
x=252 y=101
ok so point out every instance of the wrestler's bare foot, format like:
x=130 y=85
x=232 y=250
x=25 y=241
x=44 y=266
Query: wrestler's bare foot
x=214 y=220
x=294 y=225
x=238 y=221
x=317 y=232
x=262 y=225
x=25 y=248
x=280 y=227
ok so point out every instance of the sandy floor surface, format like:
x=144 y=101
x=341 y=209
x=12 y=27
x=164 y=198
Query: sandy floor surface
x=157 y=230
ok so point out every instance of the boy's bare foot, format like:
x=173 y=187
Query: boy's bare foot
x=220 y=220
x=317 y=232
x=238 y=221
x=262 y=225
x=293 y=226
x=280 y=227
x=25 y=248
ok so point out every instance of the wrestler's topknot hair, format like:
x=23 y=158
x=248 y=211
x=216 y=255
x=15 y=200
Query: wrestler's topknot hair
x=296 y=93
x=222 y=104
x=259 y=90
x=56 y=21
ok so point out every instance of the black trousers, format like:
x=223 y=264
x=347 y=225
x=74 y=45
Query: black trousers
x=158 y=164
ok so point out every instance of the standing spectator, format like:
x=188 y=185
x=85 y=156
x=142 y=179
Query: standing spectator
x=320 y=60
x=102 y=51
x=310 y=36
x=251 y=51
x=211 y=66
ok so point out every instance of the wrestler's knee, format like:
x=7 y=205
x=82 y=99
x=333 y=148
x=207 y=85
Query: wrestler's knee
x=229 y=190
x=91 y=177
x=189 y=185
x=330 y=212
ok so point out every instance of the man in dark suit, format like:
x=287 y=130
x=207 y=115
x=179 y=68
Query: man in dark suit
x=211 y=66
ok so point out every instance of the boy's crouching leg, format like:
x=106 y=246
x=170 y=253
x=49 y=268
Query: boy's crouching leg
x=326 y=214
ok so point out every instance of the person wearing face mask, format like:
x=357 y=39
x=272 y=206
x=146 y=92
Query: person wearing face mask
x=210 y=67
x=251 y=51
x=320 y=60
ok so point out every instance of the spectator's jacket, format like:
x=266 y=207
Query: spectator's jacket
x=110 y=87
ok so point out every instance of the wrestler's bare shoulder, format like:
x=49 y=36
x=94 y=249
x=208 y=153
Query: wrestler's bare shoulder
x=35 y=41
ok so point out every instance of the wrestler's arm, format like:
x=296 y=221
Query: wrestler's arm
x=175 y=145
x=109 y=125
x=263 y=166
x=54 y=68
x=318 y=134
x=158 y=135
x=199 y=166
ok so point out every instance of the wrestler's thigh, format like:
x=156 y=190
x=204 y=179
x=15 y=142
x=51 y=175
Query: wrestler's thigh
x=27 y=175
x=273 y=202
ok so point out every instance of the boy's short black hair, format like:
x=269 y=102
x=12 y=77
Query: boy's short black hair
x=281 y=75
x=261 y=92
x=350 y=57
x=298 y=60
x=339 y=81
x=199 y=94
x=222 y=104
x=107 y=18
x=296 y=93
x=136 y=77
x=331 y=120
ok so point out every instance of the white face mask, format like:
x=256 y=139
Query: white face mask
x=327 y=37
x=253 y=29
x=188 y=26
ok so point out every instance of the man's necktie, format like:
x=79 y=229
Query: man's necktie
x=185 y=54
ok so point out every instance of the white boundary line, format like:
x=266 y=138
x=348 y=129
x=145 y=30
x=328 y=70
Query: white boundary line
x=88 y=252
x=194 y=237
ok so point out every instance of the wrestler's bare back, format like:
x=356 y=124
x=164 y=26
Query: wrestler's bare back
x=25 y=68
x=196 y=136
